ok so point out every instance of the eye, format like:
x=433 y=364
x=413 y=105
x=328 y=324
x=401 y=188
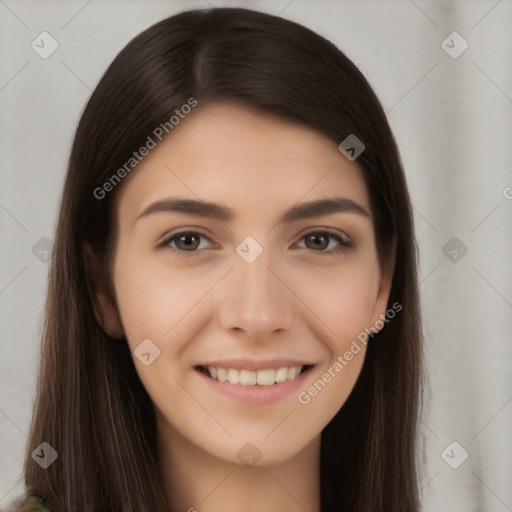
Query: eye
x=188 y=242
x=319 y=241
x=184 y=242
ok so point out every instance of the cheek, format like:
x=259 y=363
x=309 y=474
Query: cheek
x=342 y=301
x=151 y=299
x=345 y=305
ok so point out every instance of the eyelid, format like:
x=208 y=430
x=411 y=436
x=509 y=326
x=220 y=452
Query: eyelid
x=345 y=243
x=164 y=240
x=344 y=237
x=344 y=240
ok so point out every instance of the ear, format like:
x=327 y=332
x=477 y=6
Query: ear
x=101 y=294
x=385 y=282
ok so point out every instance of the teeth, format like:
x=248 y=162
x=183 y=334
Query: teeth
x=222 y=375
x=247 y=378
x=293 y=372
x=281 y=374
x=233 y=376
x=267 y=377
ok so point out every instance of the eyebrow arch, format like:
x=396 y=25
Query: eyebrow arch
x=223 y=213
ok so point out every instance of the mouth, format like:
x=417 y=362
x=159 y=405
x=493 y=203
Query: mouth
x=265 y=377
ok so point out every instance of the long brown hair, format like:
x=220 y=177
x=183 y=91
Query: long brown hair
x=91 y=406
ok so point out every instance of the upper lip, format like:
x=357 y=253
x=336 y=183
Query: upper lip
x=253 y=364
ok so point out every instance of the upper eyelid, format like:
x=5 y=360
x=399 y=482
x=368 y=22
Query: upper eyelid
x=169 y=236
x=166 y=239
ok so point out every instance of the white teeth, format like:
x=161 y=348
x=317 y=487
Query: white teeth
x=292 y=372
x=222 y=375
x=281 y=374
x=233 y=376
x=247 y=378
x=267 y=377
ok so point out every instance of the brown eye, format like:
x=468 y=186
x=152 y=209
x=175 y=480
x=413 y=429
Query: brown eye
x=319 y=241
x=185 y=243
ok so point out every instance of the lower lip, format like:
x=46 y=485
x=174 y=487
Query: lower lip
x=257 y=394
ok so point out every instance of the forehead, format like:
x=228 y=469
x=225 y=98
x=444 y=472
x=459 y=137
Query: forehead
x=244 y=157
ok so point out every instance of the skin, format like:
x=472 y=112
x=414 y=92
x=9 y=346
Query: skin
x=297 y=300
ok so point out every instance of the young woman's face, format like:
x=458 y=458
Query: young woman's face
x=258 y=288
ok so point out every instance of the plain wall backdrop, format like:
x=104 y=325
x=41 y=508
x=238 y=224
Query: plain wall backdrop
x=448 y=97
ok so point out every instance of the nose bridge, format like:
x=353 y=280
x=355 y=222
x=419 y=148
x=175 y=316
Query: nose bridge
x=254 y=299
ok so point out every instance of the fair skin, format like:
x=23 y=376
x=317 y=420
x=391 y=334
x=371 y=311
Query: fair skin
x=300 y=302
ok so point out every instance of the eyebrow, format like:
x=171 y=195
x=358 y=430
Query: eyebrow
x=301 y=211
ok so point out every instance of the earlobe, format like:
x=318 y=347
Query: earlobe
x=101 y=294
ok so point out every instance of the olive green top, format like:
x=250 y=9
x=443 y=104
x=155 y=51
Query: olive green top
x=27 y=503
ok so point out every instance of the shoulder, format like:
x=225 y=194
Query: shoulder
x=28 y=502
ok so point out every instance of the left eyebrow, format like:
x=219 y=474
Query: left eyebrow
x=322 y=207
x=301 y=211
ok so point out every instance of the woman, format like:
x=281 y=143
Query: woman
x=259 y=367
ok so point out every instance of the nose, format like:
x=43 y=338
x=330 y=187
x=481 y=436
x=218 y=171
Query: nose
x=255 y=298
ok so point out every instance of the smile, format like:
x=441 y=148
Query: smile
x=263 y=377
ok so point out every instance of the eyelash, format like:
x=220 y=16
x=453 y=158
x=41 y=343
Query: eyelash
x=343 y=246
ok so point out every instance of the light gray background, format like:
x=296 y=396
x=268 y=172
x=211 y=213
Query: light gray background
x=452 y=118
